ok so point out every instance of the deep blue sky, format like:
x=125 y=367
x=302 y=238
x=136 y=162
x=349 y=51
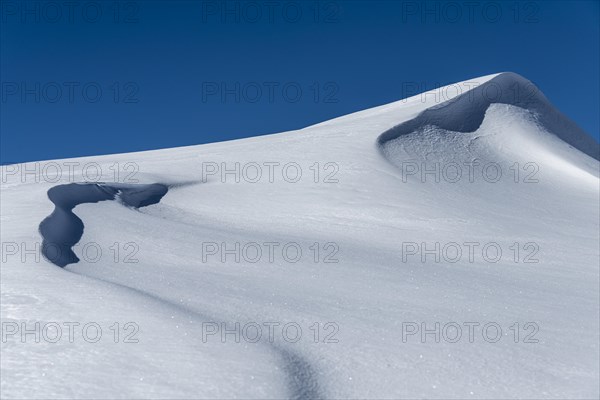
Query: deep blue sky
x=159 y=64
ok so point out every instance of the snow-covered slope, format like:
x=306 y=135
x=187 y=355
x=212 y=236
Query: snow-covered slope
x=476 y=214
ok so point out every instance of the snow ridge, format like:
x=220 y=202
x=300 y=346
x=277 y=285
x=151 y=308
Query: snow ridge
x=465 y=113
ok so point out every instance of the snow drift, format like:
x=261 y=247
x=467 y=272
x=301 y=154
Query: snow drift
x=466 y=112
x=62 y=229
x=384 y=263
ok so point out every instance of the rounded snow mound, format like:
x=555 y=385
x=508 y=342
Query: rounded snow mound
x=466 y=113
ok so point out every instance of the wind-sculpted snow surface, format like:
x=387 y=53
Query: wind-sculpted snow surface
x=301 y=379
x=62 y=229
x=466 y=112
x=352 y=254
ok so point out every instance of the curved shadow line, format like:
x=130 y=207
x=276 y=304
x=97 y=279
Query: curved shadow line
x=63 y=228
x=301 y=377
x=466 y=112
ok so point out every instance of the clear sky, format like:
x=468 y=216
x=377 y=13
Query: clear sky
x=100 y=77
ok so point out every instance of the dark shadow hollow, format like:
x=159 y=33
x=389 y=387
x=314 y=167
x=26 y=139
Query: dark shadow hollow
x=466 y=112
x=62 y=229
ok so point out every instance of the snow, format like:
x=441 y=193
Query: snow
x=373 y=210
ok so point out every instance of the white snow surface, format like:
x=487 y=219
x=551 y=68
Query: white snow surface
x=371 y=294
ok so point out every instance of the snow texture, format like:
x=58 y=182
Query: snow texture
x=373 y=196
